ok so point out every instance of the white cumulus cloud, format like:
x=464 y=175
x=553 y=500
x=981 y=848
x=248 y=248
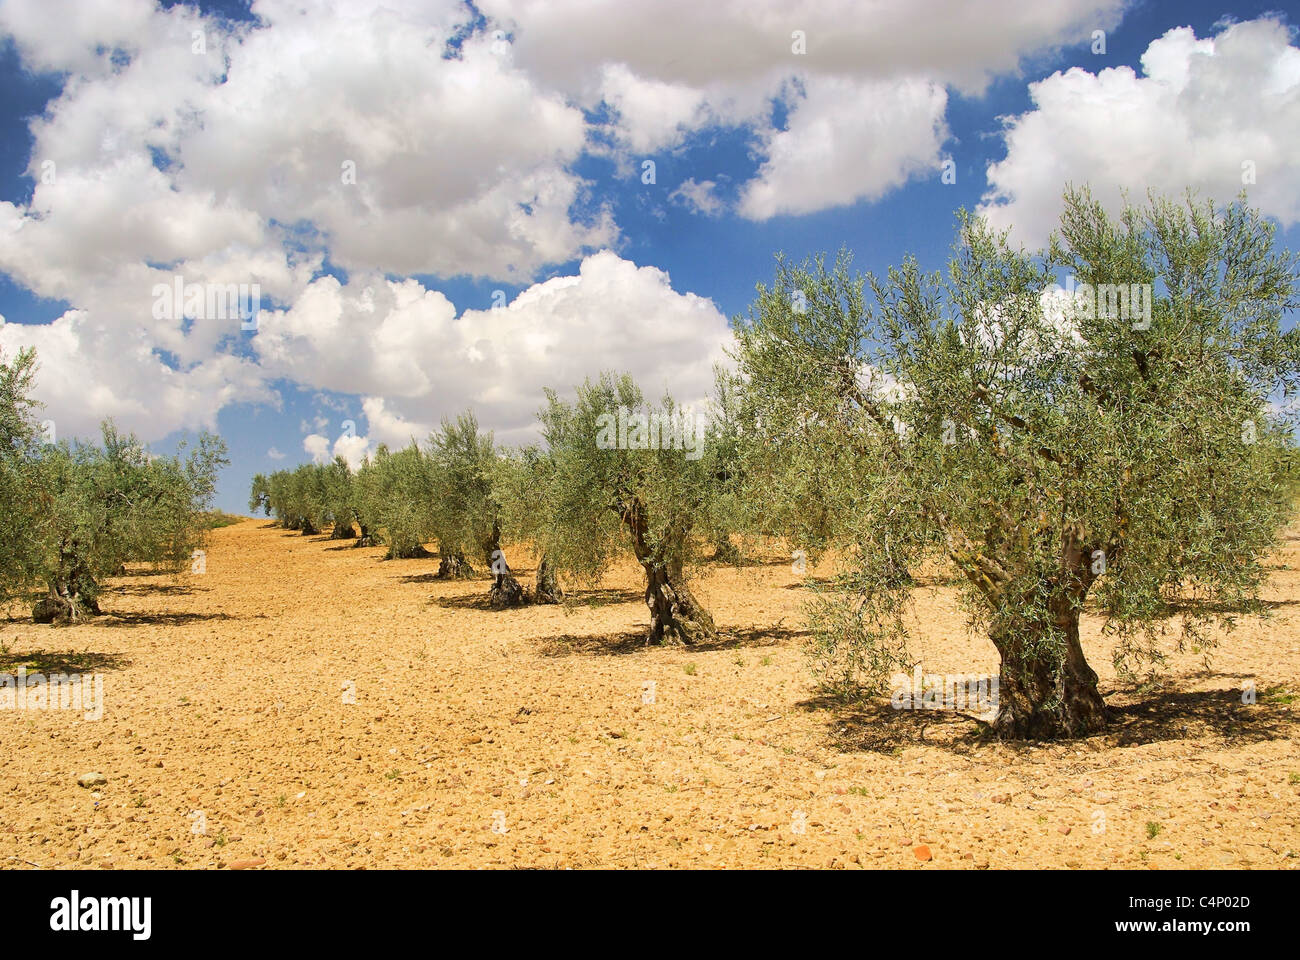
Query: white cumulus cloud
x=1210 y=113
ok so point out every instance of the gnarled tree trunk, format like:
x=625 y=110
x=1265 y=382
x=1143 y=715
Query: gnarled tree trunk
x=342 y=530
x=367 y=539
x=675 y=614
x=547 y=588
x=506 y=591
x=1047 y=692
x=454 y=566
x=70 y=600
x=724 y=551
x=416 y=552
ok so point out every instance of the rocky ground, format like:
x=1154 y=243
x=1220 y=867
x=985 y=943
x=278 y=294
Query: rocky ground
x=305 y=704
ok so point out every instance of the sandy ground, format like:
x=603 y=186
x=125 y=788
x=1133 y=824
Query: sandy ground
x=305 y=704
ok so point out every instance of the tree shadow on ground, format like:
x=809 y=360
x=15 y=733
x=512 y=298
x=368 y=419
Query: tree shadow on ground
x=434 y=578
x=809 y=583
x=1134 y=718
x=758 y=562
x=111 y=619
x=873 y=726
x=479 y=601
x=466 y=601
x=603 y=597
x=146 y=572
x=923 y=581
x=1181 y=714
x=721 y=563
x=1254 y=607
x=634 y=641
x=149 y=589
x=64 y=661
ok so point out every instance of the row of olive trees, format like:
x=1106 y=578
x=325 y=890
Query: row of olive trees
x=80 y=512
x=1132 y=456
x=448 y=491
x=308 y=498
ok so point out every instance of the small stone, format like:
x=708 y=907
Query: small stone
x=1063 y=830
x=922 y=853
x=247 y=864
x=92 y=780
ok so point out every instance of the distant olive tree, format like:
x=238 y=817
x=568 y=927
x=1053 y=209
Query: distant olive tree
x=282 y=496
x=467 y=514
x=1115 y=446
x=259 y=495
x=336 y=506
x=520 y=479
x=99 y=507
x=19 y=502
x=403 y=494
x=366 y=503
x=611 y=487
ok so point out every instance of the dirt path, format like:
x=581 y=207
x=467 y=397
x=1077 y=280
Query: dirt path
x=523 y=738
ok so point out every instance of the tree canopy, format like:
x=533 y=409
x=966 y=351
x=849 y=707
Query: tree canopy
x=1116 y=445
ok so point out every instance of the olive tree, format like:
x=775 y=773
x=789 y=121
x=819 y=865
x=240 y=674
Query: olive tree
x=401 y=502
x=1112 y=445
x=520 y=479
x=282 y=496
x=366 y=503
x=627 y=475
x=336 y=505
x=467 y=514
x=101 y=506
x=18 y=500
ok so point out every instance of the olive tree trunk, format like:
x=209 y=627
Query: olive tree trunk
x=71 y=599
x=675 y=614
x=506 y=591
x=416 y=552
x=1046 y=690
x=453 y=566
x=724 y=551
x=547 y=588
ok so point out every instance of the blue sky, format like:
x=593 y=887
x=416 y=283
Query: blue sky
x=521 y=173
